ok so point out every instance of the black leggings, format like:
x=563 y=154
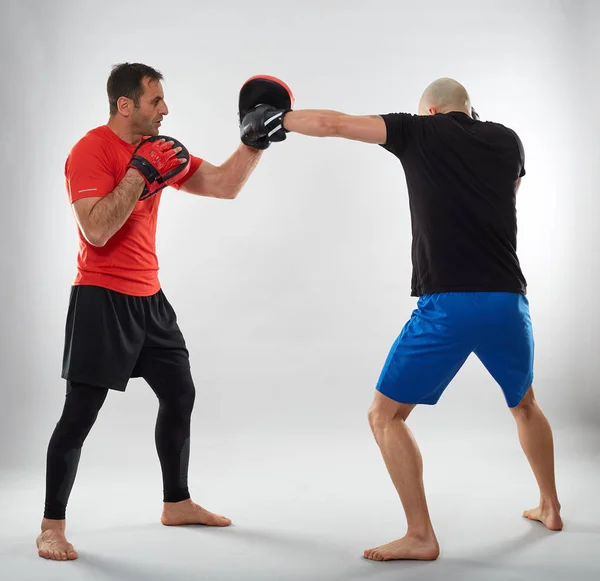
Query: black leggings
x=176 y=394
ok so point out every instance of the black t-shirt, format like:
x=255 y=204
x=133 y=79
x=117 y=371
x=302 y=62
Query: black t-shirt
x=461 y=176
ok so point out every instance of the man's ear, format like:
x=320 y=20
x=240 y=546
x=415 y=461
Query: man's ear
x=124 y=105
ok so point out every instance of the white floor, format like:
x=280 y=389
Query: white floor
x=306 y=510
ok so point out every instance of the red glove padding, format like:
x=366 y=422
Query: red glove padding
x=158 y=163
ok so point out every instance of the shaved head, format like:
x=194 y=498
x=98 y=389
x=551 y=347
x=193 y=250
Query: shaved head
x=444 y=95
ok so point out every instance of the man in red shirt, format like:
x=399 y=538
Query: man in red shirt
x=119 y=322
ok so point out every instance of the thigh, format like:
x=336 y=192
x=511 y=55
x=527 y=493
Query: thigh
x=103 y=337
x=164 y=351
x=506 y=345
x=428 y=353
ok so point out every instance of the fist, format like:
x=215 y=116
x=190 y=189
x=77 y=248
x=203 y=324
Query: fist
x=262 y=126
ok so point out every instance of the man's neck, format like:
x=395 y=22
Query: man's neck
x=457 y=110
x=123 y=130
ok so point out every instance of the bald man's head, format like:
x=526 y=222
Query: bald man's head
x=443 y=96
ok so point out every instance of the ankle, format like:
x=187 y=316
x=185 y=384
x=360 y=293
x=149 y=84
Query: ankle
x=423 y=535
x=178 y=504
x=550 y=503
x=52 y=524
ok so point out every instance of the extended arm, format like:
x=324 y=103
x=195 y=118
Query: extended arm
x=323 y=123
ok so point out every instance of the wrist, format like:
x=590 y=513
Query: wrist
x=135 y=176
x=285 y=120
x=252 y=150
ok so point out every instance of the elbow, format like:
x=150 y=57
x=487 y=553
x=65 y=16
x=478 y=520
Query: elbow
x=228 y=193
x=97 y=239
x=97 y=242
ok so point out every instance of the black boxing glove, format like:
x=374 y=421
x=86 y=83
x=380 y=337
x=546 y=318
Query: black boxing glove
x=262 y=126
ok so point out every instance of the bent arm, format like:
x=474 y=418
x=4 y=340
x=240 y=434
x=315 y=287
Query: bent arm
x=323 y=123
x=100 y=218
x=224 y=181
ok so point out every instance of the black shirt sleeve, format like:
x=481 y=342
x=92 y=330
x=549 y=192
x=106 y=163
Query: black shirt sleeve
x=399 y=128
x=521 y=154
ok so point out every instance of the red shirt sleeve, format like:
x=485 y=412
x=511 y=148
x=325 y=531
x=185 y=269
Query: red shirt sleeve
x=88 y=171
x=195 y=163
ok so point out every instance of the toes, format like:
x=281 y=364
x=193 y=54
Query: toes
x=198 y=515
x=216 y=519
x=57 y=555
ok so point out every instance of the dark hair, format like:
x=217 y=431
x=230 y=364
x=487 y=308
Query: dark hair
x=125 y=80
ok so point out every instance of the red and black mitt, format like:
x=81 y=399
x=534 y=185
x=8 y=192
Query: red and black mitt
x=158 y=163
x=263 y=102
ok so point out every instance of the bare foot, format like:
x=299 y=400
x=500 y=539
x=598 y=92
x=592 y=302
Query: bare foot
x=52 y=543
x=187 y=512
x=546 y=514
x=406 y=548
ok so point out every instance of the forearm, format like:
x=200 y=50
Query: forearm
x=236 y=170
x=313 y=122
x=110 y=213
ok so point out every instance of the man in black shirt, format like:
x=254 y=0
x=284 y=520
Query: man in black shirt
x=462 y=177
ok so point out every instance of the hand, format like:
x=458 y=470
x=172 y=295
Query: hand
x=159 y=163
x=262 y=126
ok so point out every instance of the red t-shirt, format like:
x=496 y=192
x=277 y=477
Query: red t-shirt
x=127 y=263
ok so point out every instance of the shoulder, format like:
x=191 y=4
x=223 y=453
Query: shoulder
x=400 y=118
x=401 y=129
x=509 y=138
x=500 y=128
x=510 y=135
x=94 y=143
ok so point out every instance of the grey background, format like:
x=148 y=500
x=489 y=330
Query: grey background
x=291 y=295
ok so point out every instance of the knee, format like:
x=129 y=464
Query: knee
x=79 y=415
x=189 y=399
x=526 y=408
x=378 y=418
x=184 y=403
x=73 y=430
x=180 y=401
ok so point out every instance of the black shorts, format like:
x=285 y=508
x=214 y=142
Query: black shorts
x=111 y=337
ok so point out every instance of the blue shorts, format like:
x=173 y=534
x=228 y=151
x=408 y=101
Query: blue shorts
x=445 y=329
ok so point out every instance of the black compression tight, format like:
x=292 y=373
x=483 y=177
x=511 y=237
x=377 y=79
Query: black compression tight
x=176 y=396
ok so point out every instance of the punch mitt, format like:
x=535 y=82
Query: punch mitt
x=158 y=163
x=272 y=93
